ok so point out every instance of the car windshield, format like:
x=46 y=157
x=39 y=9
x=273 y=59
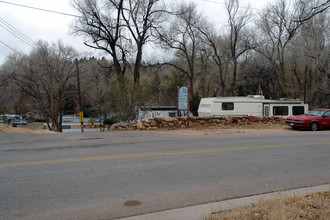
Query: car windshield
x=315 y=112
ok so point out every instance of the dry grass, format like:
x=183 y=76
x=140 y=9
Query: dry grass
x=31 y=128
x=243 y=126
x=312 y=207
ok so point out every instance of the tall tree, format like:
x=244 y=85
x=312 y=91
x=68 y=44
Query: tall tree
x=120 y=28
x=95 y=82
x=309 y=61
x=45 y=76
x=238 y=40
x=184 y=38
x=142 y=17
x=311 y=9
x=216 y=47
x=279 y=25
x=101 y=24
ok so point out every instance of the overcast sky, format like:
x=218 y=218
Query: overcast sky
x=50 y=27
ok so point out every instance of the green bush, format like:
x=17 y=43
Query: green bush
x=110 y=121
x=194 y=104
x=126 y=98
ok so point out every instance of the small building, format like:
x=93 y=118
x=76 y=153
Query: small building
x=157 y=111
x=10 y=119
x=253 y=105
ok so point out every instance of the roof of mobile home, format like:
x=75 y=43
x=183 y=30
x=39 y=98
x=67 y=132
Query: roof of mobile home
x=251 y=99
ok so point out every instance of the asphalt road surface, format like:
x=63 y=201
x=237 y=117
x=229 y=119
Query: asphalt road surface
x=118 y=174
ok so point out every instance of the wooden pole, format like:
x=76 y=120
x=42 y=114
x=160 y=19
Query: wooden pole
x=79 y=96
x=177 y=103
x=188 y=109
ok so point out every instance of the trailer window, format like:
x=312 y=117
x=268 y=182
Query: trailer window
x=298 y=110
x=227 y=106
x=266 y=110
x=172 y=114
x=280 y=110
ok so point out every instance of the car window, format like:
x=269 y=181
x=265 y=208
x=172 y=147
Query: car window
x=327 y=114
x=315 y=112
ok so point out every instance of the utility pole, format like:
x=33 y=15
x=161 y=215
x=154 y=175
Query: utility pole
x=81 y=113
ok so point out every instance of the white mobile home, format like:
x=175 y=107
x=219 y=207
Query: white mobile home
x=157 y=111
x=255 y=105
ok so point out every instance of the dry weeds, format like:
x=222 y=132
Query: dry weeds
x=312 y=207
x=31 y=128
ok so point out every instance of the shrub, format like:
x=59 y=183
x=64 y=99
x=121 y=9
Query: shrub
x=194 y=104
x=110 y=121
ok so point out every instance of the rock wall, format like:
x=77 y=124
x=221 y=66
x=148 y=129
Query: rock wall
x=195 y=122
x=78 y=126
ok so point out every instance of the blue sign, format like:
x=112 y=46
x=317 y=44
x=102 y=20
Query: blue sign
x=183 y=98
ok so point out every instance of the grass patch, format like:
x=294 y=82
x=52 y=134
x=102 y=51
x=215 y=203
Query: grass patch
x=315 y=206
x=2 y=128
x=35 y=127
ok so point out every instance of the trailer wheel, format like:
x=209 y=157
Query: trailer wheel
x=314 y=126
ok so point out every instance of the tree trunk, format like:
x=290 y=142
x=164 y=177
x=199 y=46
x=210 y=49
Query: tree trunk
x=233 y=84
x=60 y=127
x=137 y=66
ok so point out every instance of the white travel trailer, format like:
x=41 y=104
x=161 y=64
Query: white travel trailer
x=255 y=105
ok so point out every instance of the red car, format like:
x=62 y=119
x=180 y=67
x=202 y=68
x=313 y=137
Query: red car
x=314 y=119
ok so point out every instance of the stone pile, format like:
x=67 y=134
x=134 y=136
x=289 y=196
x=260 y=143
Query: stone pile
x=195 y=122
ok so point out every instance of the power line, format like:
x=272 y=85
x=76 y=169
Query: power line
x=10 y=47
x=16 y=33
x=18 y=37
x=215 y=2
x=40 y=9
x=222 y=3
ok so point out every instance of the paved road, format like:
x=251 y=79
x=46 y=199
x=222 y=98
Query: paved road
x=117 y=174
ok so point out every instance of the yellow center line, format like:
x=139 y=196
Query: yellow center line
x=162 y=153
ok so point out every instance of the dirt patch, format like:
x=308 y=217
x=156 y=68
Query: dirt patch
x=31 y=128
x=37 y=128
x=231 y=129
x=314 y=206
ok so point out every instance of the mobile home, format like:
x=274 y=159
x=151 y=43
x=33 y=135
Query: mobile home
x=255 y=105
x=157 y=111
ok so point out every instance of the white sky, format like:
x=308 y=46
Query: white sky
x=50 y=27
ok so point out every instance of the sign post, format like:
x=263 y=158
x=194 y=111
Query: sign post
x=81 y=119
x=183 y=101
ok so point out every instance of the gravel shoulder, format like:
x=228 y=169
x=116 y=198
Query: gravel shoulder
x=37 y=128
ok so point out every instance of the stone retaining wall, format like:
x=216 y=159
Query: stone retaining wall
x=195 y=122
x=78 y=126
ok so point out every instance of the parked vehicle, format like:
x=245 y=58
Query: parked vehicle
x=314 y=119
x=254 y=105
x=20 y=122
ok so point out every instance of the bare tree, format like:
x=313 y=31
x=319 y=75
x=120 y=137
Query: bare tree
x=101 y=24
x=215 y=43
x=183 y=37
x=95 y=83
x=141 y=18
x=238 y=40
x=44 y=76
x=120 y=28
x=11 y=98
x=311 y=9
x=278 y=29
x=309 y=60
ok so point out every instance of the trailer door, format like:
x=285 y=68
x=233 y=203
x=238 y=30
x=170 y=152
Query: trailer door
x=266 y=110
